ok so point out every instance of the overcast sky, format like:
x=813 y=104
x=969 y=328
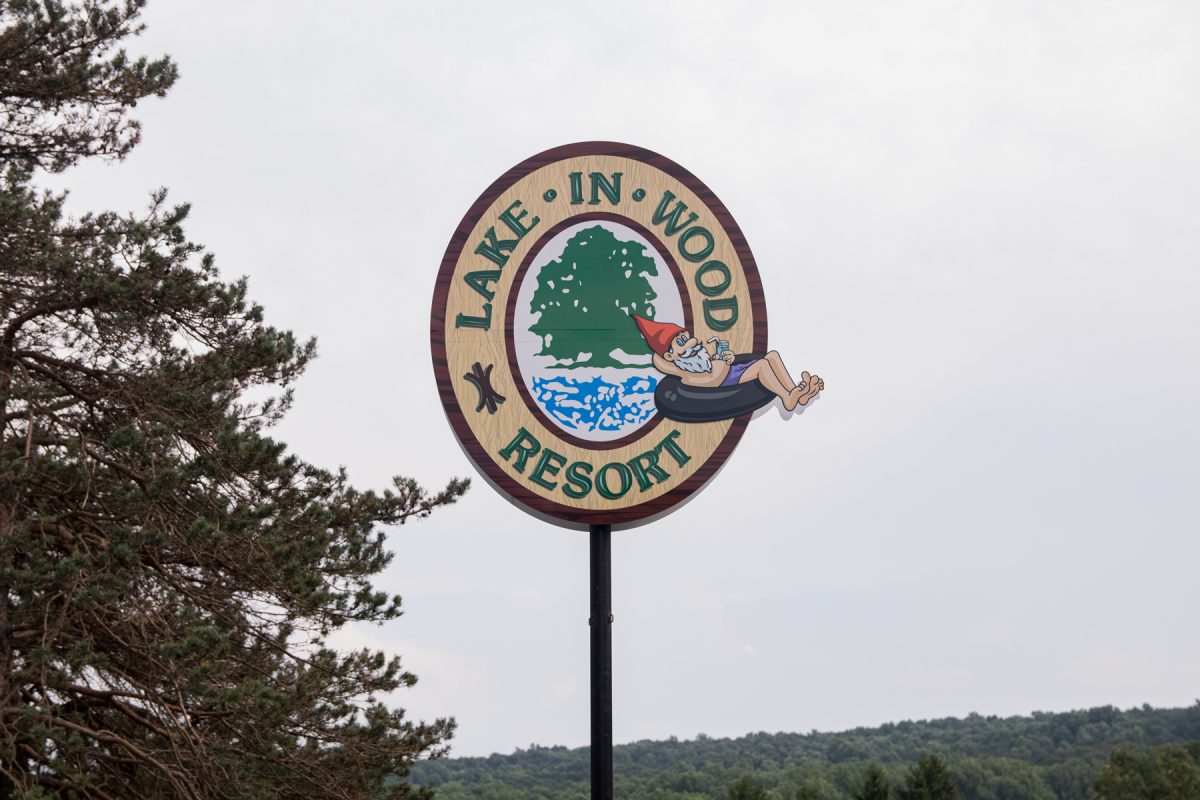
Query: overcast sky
x=977 y=221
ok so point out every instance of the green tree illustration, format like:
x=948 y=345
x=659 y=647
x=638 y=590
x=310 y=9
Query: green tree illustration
x=586 y=295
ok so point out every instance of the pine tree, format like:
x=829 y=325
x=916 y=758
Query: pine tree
x=169 y=574
x=585 y=297
x=929 y=779
x=66 y=84
x=875 y=785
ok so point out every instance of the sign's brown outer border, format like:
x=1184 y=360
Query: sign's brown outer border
x=437 y=325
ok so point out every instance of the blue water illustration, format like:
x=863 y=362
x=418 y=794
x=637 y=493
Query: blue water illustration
x=596 y=404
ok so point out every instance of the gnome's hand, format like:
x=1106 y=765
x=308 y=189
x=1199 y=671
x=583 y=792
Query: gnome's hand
x=727 y=356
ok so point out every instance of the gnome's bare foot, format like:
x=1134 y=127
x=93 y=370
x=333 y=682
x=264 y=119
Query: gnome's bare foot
x=812 y=387
x=793 y=399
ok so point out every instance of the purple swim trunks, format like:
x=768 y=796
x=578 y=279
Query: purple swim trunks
x=735 y=373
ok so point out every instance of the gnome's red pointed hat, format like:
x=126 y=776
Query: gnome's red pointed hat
x=657 y=334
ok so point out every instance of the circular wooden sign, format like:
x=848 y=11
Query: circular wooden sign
x=564 y=288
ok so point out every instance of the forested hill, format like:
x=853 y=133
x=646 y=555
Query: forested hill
x=1043 y=756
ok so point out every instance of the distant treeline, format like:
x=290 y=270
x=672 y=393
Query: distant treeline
x=1039 y=757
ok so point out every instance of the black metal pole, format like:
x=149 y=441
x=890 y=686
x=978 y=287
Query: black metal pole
x=601 y=622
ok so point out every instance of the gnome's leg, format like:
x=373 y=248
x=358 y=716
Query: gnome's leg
x=773 y=358
x=762 y=372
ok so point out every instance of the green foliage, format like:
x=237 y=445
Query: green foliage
x=746 y=788
x=1062 y=755
x=875 y=785
x=67 y=84
x=929 y=779
x=1008 y=779
x=170 y=574
x=586 y=295
x=1169 y=772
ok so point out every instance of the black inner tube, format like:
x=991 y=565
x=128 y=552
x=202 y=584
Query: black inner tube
x=677 y=401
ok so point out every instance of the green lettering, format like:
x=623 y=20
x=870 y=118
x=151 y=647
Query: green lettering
x=485 y=322
x=479 y=281
x=712 y=266
x=701 y=254
x=576 y=188
x=669 y=444
x=578 y=485
x=601 y=184
x=646 y=467
x=513 y=221
x=724 y=304
x=498 y=250
x=524 y=445
x=549 y=464
x=672 y=218
x=495 y=249
x=602 y=483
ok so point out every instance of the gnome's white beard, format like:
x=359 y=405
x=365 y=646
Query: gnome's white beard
x=697 y=361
